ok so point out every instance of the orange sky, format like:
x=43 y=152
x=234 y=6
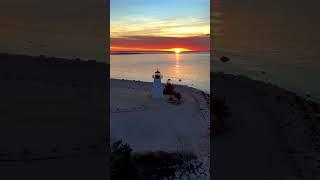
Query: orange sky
x=149 y=43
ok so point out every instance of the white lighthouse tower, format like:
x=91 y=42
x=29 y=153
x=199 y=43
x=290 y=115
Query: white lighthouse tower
x=157 y=91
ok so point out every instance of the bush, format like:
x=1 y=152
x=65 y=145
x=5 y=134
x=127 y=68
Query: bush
x=178 y=96
x=122 y=166
x=168 y=89
x=149 y=165
x=158 y=165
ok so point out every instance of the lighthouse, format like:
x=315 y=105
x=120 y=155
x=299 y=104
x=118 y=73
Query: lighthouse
x=157 y=91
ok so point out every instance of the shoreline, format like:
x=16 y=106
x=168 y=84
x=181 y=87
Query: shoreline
x=177 y=85
x=163 y=83
x=303 y=95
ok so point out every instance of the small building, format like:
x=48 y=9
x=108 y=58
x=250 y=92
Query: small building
x=157 y=90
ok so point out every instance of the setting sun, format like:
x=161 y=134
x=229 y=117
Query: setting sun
x=178 y=50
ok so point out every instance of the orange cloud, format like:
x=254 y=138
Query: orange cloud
x=151 y=43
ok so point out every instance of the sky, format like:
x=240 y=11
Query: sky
x=144 y=25
x=77 y=28
x=67 y=29
x=286 y=25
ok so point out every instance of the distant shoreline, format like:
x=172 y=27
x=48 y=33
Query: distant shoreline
x=47 y=58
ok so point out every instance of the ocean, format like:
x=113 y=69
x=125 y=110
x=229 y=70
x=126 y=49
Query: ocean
x=295 y=70
x=191 y=69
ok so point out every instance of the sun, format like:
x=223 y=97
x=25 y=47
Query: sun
x=178 y=50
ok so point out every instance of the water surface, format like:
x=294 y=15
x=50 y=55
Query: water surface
x=193 y=69
x=295 y=70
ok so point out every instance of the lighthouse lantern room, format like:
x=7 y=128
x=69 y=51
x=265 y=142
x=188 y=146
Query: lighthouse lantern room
x=157 y=91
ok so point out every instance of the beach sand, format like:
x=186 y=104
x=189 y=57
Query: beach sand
x=53 y=117
x=271 y=134
x=150 y=125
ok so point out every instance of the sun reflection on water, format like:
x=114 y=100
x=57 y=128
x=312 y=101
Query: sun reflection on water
x=177 y=65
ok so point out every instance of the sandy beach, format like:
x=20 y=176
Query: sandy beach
x=271 y=134
x=51 y=118
x=150 y=125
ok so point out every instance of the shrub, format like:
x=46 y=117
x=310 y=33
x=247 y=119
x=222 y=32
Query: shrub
x=150 y=165
x=178 y=96
x=158 y=165
x=122 y=166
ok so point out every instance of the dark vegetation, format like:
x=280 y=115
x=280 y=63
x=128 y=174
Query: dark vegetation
x=149 y=165
x=175 y=97
x=121 y=163
x=168 y=88
x=178 y=96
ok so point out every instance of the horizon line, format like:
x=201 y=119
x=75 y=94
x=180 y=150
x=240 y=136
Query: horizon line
x=145 y=52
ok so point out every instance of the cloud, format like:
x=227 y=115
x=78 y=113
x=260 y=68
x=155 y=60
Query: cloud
x=148 y=26
x=200 y=43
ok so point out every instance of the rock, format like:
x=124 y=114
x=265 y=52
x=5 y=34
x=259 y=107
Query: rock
x=224 y=59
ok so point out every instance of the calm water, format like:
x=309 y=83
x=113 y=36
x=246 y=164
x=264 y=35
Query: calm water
x=193 y=69
x=295 y=70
